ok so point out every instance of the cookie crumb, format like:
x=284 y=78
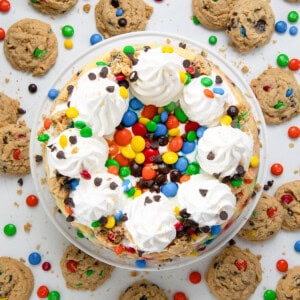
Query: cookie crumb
x=86 y=8
x=291 y=145
x=133 y=274
x=20 y=192
x=27 y=227
x=245 y=69
x=16 y=204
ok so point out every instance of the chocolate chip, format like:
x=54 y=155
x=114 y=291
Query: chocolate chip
x=97 y=181
x=122 y=22
x=73 y=139
x=92 y=76
x=103 y=73
x=136 y=169
x=146 y=48
x=113 y=185
x=115 y=3
x=182 y=45
x=218 y=79
x=155 y=188
x=161 y=179
x=147 y=200
x=38 y=158
x=110 y=88
x=184 y=214
x=124 y=83
x=21 y=111
x=103 y=220
x=186 y=63
x=124 y=218
x=32 y=88
x=70 y=89
x=70 y=218
x=260 y=26
x=232 y=242
x=205 y=229
x=203 y=192
x=69 y=201
x=156 y=198
x=210 y=156
x=240 y=170
x=175 y=175
x=60 y=155
x=133 y=76
x=20 y=181
x=217 y=265
x=223 y=215
x=232 y=111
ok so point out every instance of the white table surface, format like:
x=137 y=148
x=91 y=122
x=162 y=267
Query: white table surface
x=172 y=16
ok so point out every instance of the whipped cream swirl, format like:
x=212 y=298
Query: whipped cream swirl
x=70 y=153
x=97 y=98
x=151 y=222
x=202 y=109
x=100 y=196
x=158 y=77
x=209 y=201
x=222 y=149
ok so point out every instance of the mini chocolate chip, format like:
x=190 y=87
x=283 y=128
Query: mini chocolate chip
x=182 y=45
x=203 y=192
x=270 y=183
x=161 y=179
x=163 y=140
x=38 y=158
x=136 y=169
x=251 y=223
x=175 y=175
x=122 y=22
x=103 y=73
x=217 y=265
x=69 y=201
x=124 y=218
x=113 y=185
x=20 y=181
x=266 y=187
x=60 y=155
x=133 y=76
x=260 y=26
x=186 y=63
x=157 y=198
x=147 y=200
x=210 y=156
x=92 y=76
x=218 y=79
x=124 y=83
x=110 y=88
x=155 y=188
x=21 y=111
x=32 y=88
x=290 y=212
x=184 y=214
x=97 y=181
x=70 y=218
x=205 y=229
x=5 y=140
x=146 y=48
x=70 y=89
x=232 y=242
x=73 y=139
x=223 y=215
x=240 y=170
x=103 y=220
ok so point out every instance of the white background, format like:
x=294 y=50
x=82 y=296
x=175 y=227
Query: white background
x=173 y=16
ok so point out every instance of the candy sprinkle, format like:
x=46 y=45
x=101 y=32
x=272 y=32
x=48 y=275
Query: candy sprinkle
x=270 y=295
x=95 y=38
x=34 y=258
x=282 y=265
x=276 y=169
x=282 y=60
x=54 y=295
x=180 y=296
x=42 y=291
x=53 y=93
x=195 y=277
x=67 y=31
x=68 y=44
x=32 y=200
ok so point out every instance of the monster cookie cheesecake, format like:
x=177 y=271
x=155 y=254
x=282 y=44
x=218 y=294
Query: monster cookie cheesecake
x=151 y=151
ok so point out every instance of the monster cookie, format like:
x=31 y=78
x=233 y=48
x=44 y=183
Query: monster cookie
x=16 y=279
x=143 y=289
x=278 y=94
x=53 y=7
x=288 y=195
x=288 y=287
x=122 y=165
x=83 y=272
x=10 y=110
x=121 y=16
x=234 y=274
x=251 y=24
x=14 y=150
x=30 y=45
x=265 y=220
x=213 y=14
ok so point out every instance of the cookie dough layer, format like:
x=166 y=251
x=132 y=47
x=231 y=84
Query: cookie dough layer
x=30 y=45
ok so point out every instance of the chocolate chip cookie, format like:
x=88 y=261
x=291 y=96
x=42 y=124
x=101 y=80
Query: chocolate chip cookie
x=288 y=287
x=278 y=94
x=53 y=7
x=143 y=289
x=121 y=16
x=30 y=45
x=14 y=150
x=83 y=272
x=16 y=279
x=265 y=220
x=288 y=195
x=213 y=14
x=234 y=274
x=10 y=110
x=251 y=24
